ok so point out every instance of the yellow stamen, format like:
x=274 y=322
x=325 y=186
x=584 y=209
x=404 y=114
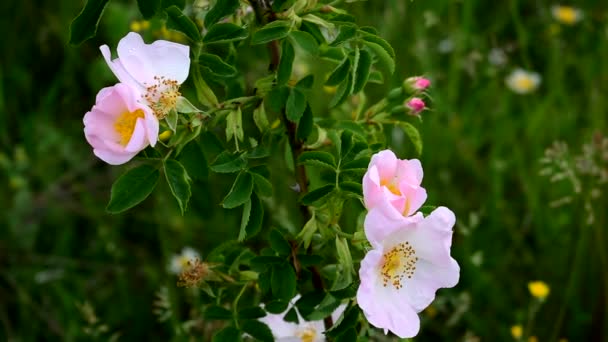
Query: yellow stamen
x=307 y=335
x=162 y=96
x=125 y=125
x=399 y=263
x=524 y=83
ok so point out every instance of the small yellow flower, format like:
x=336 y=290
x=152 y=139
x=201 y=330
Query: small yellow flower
x=532 y=339
x=136 y=26
x=517 y=331
x=566 y=14
x=522 y=81
x=539 y=289
x=145 y=24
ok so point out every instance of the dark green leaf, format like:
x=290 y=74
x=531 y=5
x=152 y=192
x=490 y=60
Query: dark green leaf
x=215 y=312
x=244 y=220
x=385 y=60
x=346 y=139
x=283 y=282
x=360 y=164
x=349 y=319
x=252 y=313
x=305 y=41
x=227 y=162
x=426 y=210
x=352 y=187
x=228 y=334
x=309 y=301
x=291 y=316
x=286 y=63
x=296 y=104
x=221 y=9
x=306 y=82
x=327 y=306
x=317 y=194
x=193 y=159
x=225 y=33
x=278 y=243
x=132 y=187
x=263 y=186
x=342 y=92
x=148 y=8
x=276 y=98
x=240 y=192
x=369 y=30
x=347 y=336
x=413 y=135
x=168 y=3
x=361 y=73
x=281 y=5
x=258 y=330
x=216 y=65
x=318 y=158
x=347 y=32
x=377 y=40
x=177 y=20
x=273 y=31
x=84 y=26
x=375 y=77
x=309 y=260
x=256 y=217
x=348 y=292
x=276 y=306
x=305 y=124
x=314 y=31
x=339 y=73
x=267 y=260
x=178 y=181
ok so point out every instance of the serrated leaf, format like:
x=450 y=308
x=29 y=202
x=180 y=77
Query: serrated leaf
x=375 y=77
x=244 y=220
x=227 y=162
x=171 y=120
x=360 y=164
x=314 y=31
x=84 y=26
x=260 y=119
x=275 y=30
x=283 y=282
x=291 y=316
x=296 y=104
x=346 y=293
x=347 y=32
x=352 y=187
x=256 y=218
x=318 y=158
x=304 y=41
x=234 y=126
x=193 y=159
x=377 y=40
x=346 y=143
x=184 y=106
x=413 y=135
x=215 y=312
x=306 y=82
x=349 y=319
x=132 y=188
x=317 y=194
x=342 y=92
x=228 y=334
x=277 y=306
x=278 y=243
x=221 y=9
x=362 y=71
x=305 y=124
x=240 y=191
x=177 y=20
x=179 y=183
x=339 y=73
x=221 y=33
x=286 y=63
x=216 y=65
x=148 y=8
x=263 y=185
x=385 y=61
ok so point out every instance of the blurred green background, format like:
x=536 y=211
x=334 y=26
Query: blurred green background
x=69 y=271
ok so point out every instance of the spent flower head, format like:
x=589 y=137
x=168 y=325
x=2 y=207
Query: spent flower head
x=180 y=262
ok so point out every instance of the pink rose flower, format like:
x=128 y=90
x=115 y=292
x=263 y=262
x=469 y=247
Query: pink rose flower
x=422 y=83
x=155 y=70
x=393 y=181
x=415 y=105
x=118 y=126
x=400 y=275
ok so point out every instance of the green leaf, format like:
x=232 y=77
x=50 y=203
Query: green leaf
x=344 y=257
x=347 y=32
x=148 y=8
x=307 y=231
x=283 y=282
x=221 y=33
x=426 y=210
x=386 y=62
x=377 y=40
x=227 y=162
x=317 y=194
x=360 y=164
x=342 y=92
x=304 y=41
x=306 y=82
x=267 y=260
x=216 y=65
x=168 y=3
x=413 y=135
x=215 y=312
x=193 y=159
x=171 y=119
x=278 y=243
x=352 y=188
x=339 y=73
x=275 y=30
x=348 y=335
x=258 y=330
x=260 y=119
x=296 y=104
x=84 y=26
x=132 y=188
x=362 y=70
x=244 y=220
x=286 y=63
x=234 y=126
x=349 y=319
x=177 y=20
x=276 y=98
x=263 y=185
x=346 y=143
x=328 y=305
x=313 y=30
x=178 y=181
x=277 y=306
x=221 y=9
x=376 y=77
x=240 y=192
x=184 y=106
x=228 y=334
x=318 y=158
x=305 y=124
x=252 y=312
x=291 y=316
x=348 y=292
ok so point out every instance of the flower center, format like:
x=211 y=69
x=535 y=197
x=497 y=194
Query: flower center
x=391 y=185
x=307 y=334
x=566 y=15
x=399 y=262
x=125 y=125
x=524 y=83
x=162 y=96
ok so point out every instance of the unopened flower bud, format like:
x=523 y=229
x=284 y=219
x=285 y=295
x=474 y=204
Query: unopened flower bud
x=416 y=84
x=415 y=105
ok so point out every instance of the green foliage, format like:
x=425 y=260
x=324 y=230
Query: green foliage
x=177 y=20
x=84 y=26
x=132 y=187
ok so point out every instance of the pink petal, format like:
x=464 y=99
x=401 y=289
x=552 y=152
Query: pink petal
x=386 y=162
x=119 y=70
x=113 y=158
x=138 y=139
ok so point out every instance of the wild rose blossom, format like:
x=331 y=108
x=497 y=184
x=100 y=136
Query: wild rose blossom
x=155 y=70
x=400 y=275
x=393 y=183
x=180 y=262
x=118 y=126
x=415 y=105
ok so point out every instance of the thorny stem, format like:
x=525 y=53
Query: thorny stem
x=265 y=15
